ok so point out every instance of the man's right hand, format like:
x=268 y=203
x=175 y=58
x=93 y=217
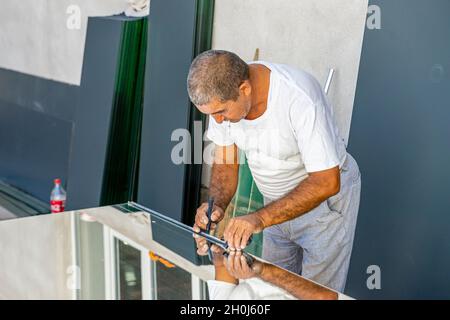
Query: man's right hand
x=201 y=218
x=202 y=250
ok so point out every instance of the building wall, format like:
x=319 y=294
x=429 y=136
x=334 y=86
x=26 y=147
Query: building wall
x=53 y=51
x=308 y=34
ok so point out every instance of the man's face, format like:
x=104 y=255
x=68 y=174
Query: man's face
x=232 y=111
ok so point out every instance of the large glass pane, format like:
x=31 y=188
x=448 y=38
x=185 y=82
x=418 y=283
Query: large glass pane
x=247 y=199
x=129 y=271
x=172 y=283
x=110 y=252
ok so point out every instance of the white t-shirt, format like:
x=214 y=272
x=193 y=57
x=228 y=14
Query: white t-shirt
x=251 y=289
x=297 y=133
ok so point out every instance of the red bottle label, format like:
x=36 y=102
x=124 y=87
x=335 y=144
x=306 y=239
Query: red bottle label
x=57 y=206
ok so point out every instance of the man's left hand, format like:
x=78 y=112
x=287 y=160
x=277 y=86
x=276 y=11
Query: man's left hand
x=240 y=229
x=237 y=266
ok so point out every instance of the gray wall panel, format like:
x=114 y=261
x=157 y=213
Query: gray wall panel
x=93 y=116
x=400 y=137
x=51 y=97
x=34 y=149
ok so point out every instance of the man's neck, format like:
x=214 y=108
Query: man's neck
x=260 y=81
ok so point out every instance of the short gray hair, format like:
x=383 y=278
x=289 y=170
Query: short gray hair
x=216 y=74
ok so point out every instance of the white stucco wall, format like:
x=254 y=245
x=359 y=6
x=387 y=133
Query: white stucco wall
x=314 y=35
x=35 y=39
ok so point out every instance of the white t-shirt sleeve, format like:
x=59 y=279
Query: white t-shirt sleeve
x=314 y=129
x=218 y=133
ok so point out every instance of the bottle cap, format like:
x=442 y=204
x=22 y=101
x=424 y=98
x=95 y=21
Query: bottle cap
x=57 y=181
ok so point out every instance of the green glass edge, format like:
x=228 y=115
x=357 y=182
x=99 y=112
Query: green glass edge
x=202 y=42
x=122 y=161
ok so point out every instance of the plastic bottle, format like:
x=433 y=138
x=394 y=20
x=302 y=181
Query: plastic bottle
x=58 y=198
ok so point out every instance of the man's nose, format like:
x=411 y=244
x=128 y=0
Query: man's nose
x=219 y=118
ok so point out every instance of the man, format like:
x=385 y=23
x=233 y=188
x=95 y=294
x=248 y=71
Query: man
x=280 y=117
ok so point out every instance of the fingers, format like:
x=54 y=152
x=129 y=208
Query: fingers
x=202 y=251
x=230 y=262
x=201 y=220
x=196 y=228
x=237 y=238
x=245 y=268
x=244 y=240
x=236 y=235
x=216 y=249
x=229 y=232
x=216 y=217
x=237 y=265
x=201 y=217
x=202 y=245
x=217 y=214
x=239 y=230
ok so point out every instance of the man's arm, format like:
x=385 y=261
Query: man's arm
x=299 y=287
x=223 y=185
x=311 y=192
x=224 y=175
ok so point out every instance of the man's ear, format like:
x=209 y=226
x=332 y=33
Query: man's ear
x=246 y=88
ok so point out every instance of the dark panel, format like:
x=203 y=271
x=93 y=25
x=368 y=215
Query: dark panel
x=93 y=116
x=178 y=240
x=35 y=131
x=34 y=149
x=193 y=174
x=56 y=99
x=166 y=104
x=400 y=137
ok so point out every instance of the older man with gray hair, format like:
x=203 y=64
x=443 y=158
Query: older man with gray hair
x=281 y=118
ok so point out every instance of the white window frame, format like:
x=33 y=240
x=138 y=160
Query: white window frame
x=149 y=281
